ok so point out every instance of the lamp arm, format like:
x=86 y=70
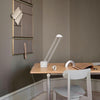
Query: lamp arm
x=47 y=55
x=53 y=50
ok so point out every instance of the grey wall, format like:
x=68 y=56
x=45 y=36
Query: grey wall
x=78 y=21
x=56 y=20
x=85 y=30
x=14 y=70
x=37 y=27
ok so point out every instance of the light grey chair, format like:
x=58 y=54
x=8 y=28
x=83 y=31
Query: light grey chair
x=74 y=92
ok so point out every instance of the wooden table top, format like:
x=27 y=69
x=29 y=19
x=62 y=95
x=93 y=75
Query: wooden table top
x=36 y=69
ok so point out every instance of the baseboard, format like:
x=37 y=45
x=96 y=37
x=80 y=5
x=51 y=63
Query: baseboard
x=35 y=89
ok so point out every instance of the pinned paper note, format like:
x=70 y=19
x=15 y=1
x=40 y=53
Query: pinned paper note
x=17 y=15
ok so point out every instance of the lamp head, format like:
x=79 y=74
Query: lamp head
x=59 y=36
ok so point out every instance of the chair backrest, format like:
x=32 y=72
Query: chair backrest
x=76 y=74
x=79 y=74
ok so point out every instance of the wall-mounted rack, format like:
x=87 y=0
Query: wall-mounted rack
x=22 y=34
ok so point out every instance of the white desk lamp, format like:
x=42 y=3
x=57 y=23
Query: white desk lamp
x=51 y=51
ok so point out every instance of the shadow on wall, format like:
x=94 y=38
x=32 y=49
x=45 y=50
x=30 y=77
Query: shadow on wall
x=23 y=78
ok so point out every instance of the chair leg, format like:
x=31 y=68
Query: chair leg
x=54 y=95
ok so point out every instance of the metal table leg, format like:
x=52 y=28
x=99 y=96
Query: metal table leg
x=48 y=84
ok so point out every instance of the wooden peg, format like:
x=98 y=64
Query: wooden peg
x=25 y=51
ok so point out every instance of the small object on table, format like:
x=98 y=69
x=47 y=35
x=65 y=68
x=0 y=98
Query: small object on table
x=54 y=67
x=76 y=68
x=91 y=67
x=95 y=68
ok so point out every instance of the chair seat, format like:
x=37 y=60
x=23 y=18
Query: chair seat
x=75 y=91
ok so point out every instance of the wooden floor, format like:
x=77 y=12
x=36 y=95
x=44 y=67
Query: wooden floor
x=43 y=96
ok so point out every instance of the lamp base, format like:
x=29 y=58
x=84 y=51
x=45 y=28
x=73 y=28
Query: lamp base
x=43 y=63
